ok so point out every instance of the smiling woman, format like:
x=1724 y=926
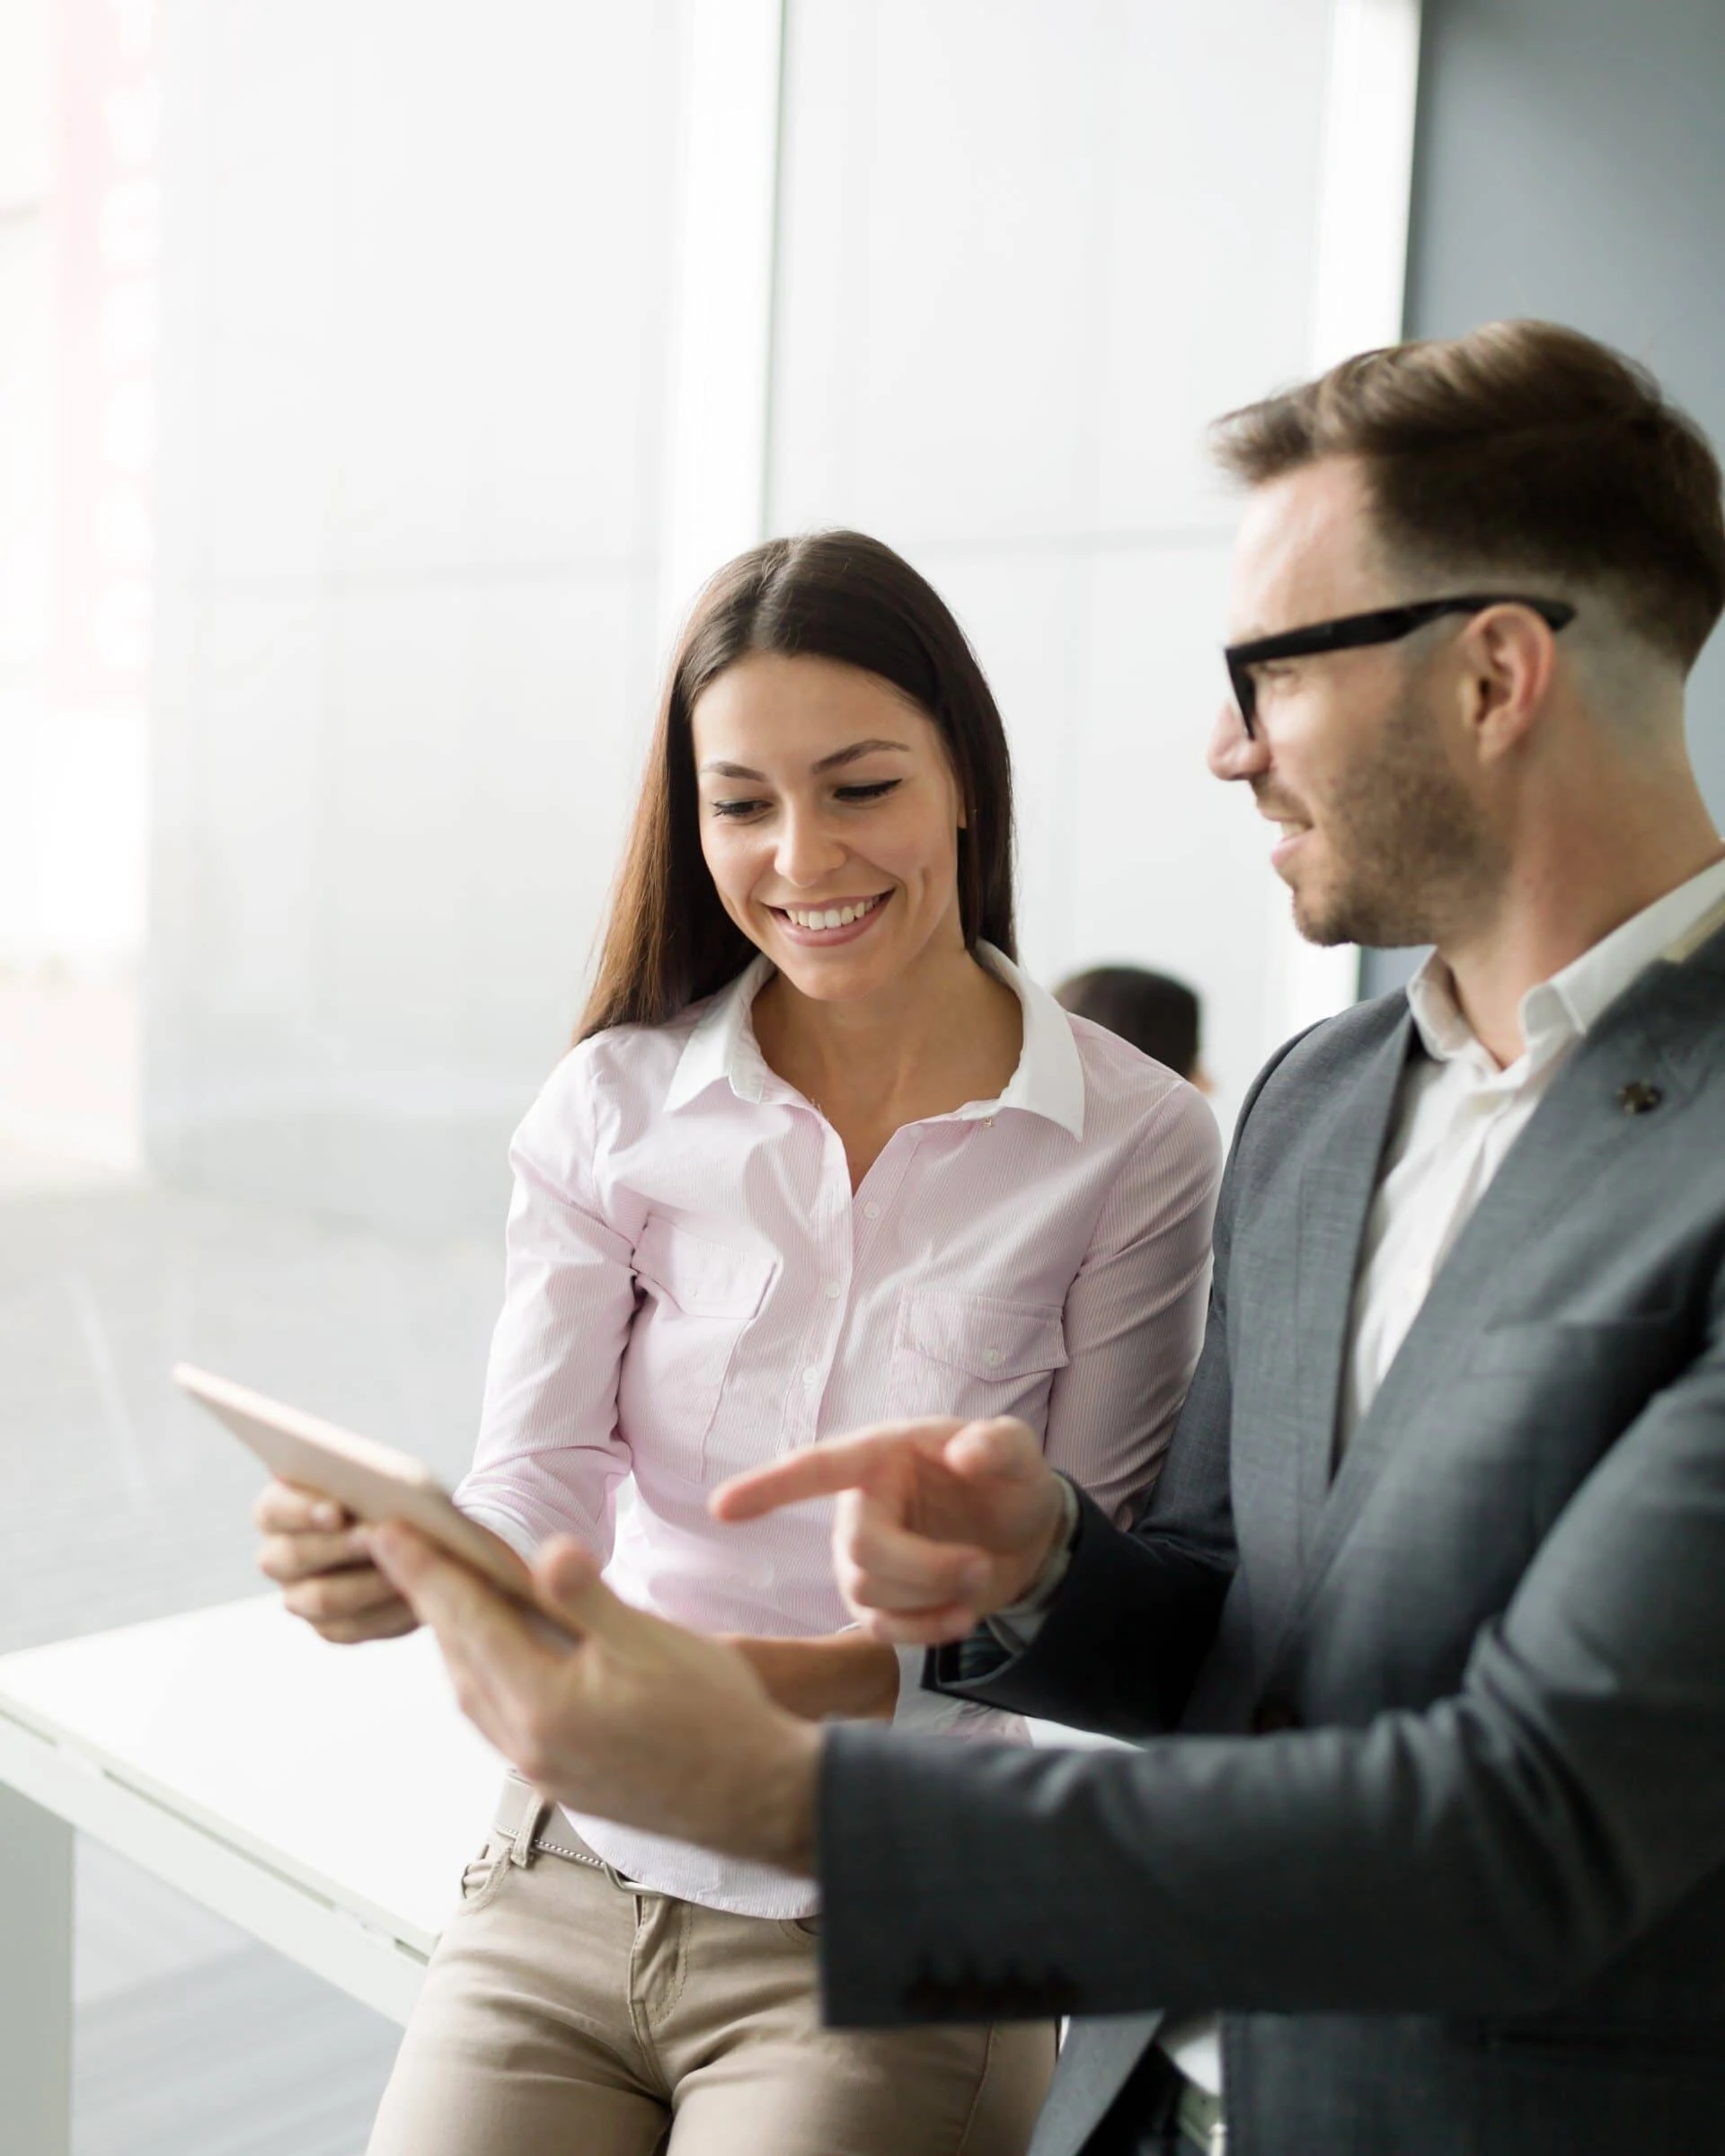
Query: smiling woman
x=827 y=848
x=822 y=1156
x=897 y=671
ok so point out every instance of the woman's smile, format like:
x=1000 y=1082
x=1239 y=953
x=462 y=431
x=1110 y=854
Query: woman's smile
x=839 y=920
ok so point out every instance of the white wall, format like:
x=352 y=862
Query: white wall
x=1028 y=253
x=26 y=435
x=417 y=263
x=454 y=405
x=77 y=238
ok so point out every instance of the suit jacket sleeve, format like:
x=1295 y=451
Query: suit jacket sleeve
x=1488 y=1853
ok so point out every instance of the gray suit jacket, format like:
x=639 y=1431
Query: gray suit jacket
x=1443 y=1827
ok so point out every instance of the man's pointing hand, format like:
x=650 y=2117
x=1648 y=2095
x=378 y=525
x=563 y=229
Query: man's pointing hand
x=939 y=1523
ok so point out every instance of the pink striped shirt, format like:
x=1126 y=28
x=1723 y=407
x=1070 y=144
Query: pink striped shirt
x=693 y=1288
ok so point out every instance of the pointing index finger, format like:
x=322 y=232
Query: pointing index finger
x=831 y=1467
x=821 y=1471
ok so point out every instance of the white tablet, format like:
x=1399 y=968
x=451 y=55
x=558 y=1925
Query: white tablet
x=371 y=1481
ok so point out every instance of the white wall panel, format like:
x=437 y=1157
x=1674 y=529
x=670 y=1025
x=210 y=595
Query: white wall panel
x=260 y=665
x=543 y=830
x=503 y=263
x=26 y=69
x=249 y=299
x=940 y=194
x=232 y=975
x=27 y=416
x=1170 y=868
x=394 y=787
x=1027 y=614
x=1026 y=253
x=720 y=332
x=417 y=274
x=1212 y=127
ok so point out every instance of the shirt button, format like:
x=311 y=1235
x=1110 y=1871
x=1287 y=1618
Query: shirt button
x=871 y=1212
x=830 y=1289
x=991 y=1356
x=811 y=1378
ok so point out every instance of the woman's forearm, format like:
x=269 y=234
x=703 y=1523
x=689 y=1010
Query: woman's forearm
x=840 y=1673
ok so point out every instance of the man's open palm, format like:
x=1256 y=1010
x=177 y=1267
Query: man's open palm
x=939 y=1522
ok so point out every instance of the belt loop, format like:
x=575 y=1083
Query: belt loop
x=533 y=1817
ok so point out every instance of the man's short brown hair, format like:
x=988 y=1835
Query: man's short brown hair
x=1524 y=447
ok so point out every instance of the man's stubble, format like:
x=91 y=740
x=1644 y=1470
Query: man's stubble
x=1411 y=853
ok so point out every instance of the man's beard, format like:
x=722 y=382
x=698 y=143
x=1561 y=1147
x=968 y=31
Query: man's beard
x=1410 y=853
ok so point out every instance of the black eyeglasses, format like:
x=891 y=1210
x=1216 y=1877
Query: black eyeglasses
x=1386 y=625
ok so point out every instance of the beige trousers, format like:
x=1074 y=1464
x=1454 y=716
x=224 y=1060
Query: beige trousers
x=568 y=2012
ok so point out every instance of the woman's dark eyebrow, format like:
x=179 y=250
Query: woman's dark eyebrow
x=838 y=757
x=856 y=749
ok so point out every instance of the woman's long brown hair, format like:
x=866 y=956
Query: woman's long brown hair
x=831 y=594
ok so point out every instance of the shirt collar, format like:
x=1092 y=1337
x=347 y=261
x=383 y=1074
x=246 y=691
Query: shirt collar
x=1048 y=1082
x=1560 y=1011
x=722 y=1043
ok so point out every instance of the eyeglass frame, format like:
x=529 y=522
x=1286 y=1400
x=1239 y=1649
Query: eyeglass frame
x=1355 y=632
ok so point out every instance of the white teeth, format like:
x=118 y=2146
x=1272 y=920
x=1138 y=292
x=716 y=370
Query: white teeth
x=829 y=916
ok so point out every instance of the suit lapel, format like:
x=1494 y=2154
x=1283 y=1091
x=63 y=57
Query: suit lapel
x=1336 y=1192
x=1661 y=1032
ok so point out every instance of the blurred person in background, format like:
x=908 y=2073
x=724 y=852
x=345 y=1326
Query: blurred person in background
x=1161 y=1017
x=821 y=1155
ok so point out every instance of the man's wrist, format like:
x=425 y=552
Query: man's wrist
x=783 y=1799
x=865 y=1680
x=1039 y=1590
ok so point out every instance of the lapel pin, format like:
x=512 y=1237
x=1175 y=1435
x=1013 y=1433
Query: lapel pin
x=1638 y=1098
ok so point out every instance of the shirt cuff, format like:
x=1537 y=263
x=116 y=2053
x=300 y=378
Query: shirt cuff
x=520 y=1538
x=1017 y=1625
x=918 y=1709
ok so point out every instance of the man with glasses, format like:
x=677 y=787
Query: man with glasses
x=1421 y=1637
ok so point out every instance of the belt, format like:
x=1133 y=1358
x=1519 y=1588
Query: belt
x=1198 y=2116
x=532 y=1827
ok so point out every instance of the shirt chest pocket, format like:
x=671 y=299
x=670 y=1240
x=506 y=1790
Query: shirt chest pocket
x=974 y=1355
x=698 y=1300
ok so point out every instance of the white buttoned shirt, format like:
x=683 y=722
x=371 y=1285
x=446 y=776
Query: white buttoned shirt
x=693 y=1288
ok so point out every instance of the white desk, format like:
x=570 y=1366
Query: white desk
x=323 y=1798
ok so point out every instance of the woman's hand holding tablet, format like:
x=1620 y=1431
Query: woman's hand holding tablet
x=330 y=1485
x=318 y=1555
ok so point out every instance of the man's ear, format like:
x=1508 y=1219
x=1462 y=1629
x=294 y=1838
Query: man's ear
x=1508 y=657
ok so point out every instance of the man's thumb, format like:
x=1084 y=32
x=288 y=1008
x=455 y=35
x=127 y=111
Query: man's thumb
x=1003 y=1447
